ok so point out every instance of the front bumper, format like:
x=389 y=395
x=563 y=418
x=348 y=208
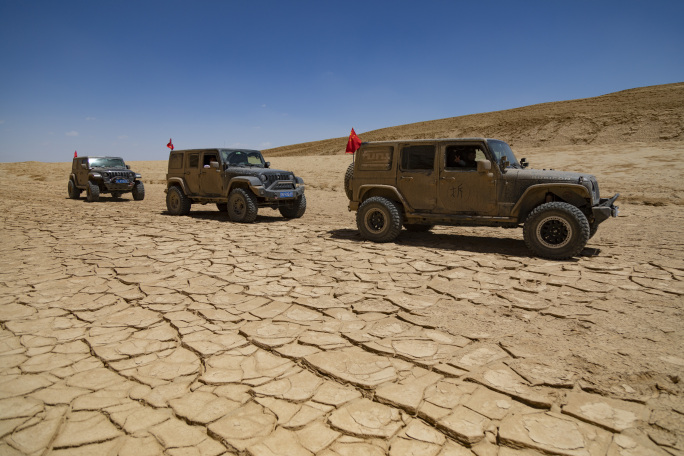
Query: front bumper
x=279 y=195
x=114 y=187
x=605 y=209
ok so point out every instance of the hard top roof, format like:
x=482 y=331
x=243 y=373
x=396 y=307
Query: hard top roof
x=204 y=149
x=428 y=140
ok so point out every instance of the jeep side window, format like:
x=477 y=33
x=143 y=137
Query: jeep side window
x=463 y=157
x=375 y=158
x=421 y=157
x=208 y=158
x=176 y=161
x=193 y=160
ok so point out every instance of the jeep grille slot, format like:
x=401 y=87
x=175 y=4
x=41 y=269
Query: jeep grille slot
x=279 y=182
x=119 y=174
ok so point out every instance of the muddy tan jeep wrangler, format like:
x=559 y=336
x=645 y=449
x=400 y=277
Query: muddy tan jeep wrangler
x=238 y=181
x=472 y=182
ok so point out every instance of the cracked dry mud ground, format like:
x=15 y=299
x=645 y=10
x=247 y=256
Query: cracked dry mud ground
x=127 y=331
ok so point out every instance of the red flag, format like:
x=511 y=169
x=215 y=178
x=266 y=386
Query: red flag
x=354 y=143
x=170 y=144
x=75 y=154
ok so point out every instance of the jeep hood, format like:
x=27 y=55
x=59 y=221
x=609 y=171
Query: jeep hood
x=546 y=176
x=255 y=171
x=108 y=168
x=521 y=179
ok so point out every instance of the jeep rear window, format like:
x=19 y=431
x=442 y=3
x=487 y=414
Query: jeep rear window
x=418 y=157
x=375 y=158
x=176 y=161
x=193 y=160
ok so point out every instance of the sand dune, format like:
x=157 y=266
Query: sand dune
x=646 y=114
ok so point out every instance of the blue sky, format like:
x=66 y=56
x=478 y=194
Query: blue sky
x=121 y=77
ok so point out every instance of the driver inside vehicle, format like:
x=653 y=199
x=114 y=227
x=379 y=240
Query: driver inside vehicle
x=469 y=159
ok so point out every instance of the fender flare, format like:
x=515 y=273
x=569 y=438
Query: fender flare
x=252 y=182
x=176 y=182
x=575 y=194
x=383 y=189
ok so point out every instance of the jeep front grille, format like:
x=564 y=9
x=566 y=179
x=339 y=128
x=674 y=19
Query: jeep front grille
x=125 y=174
x=279 y=182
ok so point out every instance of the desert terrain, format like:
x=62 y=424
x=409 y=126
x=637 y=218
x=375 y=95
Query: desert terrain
x=127 y=331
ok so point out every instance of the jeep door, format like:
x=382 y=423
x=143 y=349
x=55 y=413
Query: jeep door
x=211 y=182
x=462 y=189
x=80 y=172
x=416 y=176
x=192 y=170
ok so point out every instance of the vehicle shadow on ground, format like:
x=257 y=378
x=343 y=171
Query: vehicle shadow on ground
x=456 y=242
x=104 y=199
x=223 y=217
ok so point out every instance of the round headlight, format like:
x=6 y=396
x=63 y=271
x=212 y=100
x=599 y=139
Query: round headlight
x=262 y=177
x=291 y=177
x=105 y=174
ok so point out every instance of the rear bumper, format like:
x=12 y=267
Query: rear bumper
x=605 y=209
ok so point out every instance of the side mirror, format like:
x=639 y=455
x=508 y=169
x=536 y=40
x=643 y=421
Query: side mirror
x=483 y=166
x=214 y=164
x=128 y=166
x=84 y=166
x=524 y=163
x=267 y=164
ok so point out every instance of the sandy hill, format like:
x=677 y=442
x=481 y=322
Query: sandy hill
x=645 y=114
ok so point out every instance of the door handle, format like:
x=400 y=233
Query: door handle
x=406 y=178
x=449 y=178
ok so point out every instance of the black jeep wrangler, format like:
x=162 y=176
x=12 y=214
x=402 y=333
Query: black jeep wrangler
x=238 y=181
x=97 y=175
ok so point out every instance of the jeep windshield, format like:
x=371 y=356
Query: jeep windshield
x=98 y=162
x=501 y=149
x=243 y=158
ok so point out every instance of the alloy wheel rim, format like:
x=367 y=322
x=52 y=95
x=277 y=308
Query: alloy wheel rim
x=375 y=221
x=554 y=232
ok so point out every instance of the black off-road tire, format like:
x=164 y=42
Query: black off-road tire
x=379 y=219
x=74 y=192
x=138 y=191
x=177 y=202
x=222 y=207
x=556 y=230
x=294 y=210
x=92 y=192
x=242 y=206
x=593 y=228
x=418 y=228
x=347 y=180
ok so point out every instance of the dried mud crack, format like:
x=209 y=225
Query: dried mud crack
x=133 y=332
